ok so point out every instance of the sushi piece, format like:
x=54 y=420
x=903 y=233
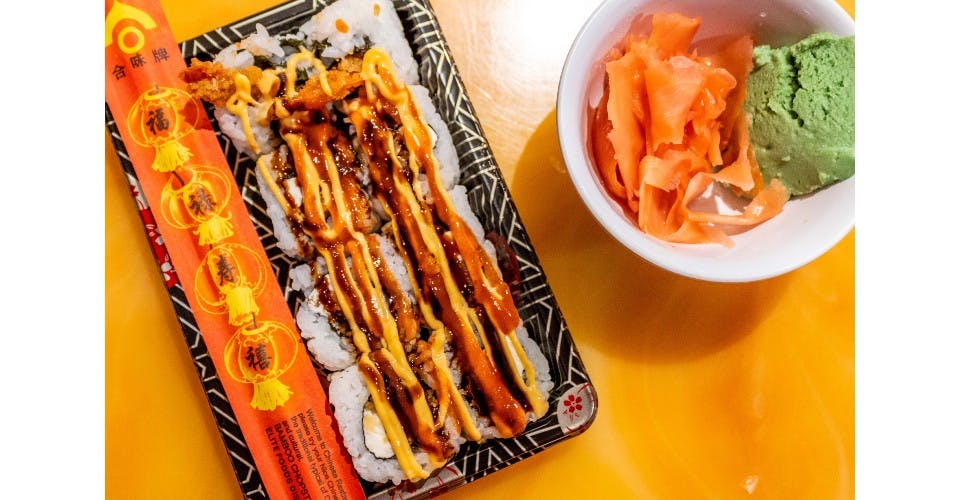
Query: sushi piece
x=402 y=300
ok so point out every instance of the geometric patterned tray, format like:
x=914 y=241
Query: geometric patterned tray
x=572 y=401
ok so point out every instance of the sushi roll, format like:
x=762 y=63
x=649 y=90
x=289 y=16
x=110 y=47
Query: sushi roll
x=403 y=303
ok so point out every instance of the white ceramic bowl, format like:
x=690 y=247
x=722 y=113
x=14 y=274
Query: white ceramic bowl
x=806 y=228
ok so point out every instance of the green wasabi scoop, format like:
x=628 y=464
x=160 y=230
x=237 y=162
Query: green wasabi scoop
x=801 y=106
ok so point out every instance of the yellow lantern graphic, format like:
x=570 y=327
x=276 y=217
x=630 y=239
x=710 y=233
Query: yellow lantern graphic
x=196 y=198
x=259 y=354
x=223 y=283
x=159 y=119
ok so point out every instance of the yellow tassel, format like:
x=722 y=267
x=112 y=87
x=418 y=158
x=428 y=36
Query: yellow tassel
x=170 y=156
x=240 y=304
x=269 y=394
x=214 y=230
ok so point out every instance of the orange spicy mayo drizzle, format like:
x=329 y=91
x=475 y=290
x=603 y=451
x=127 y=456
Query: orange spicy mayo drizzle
x=446 y=387
x=379 y=315
x=332 y=222
x=437 y=281
x=489 y=288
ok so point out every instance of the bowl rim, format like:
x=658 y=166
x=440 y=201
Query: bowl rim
x=574 y=149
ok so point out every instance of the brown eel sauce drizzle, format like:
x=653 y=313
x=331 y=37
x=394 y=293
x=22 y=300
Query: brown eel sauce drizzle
x=459 y=299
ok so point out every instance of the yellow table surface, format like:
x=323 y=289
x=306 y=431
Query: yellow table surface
x=706 y=390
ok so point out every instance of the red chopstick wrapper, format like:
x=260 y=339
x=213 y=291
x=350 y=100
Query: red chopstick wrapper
x=253 y=340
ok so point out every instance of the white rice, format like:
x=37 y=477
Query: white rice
x=260 y=43
x=286 y=241
x=348 y=393
x=383 y=30
x=232 y=126
x=443 y=149
x=263 y=45
x=301 y=279
x=537 y=359
x=328 y=348
x=233 y=57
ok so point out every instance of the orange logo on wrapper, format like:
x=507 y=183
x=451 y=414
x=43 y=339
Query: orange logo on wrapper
x=128 y=19
x=239 y=309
